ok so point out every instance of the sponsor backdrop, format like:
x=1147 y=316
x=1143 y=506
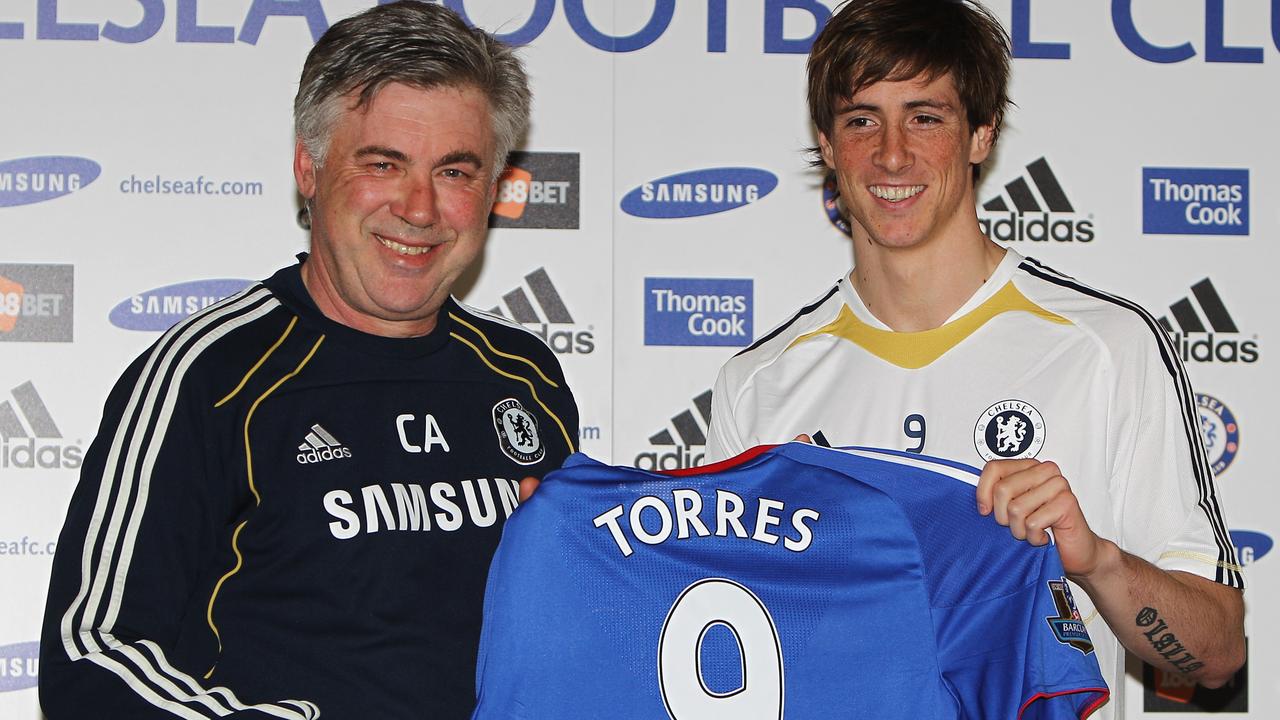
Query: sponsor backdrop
x=662 y=217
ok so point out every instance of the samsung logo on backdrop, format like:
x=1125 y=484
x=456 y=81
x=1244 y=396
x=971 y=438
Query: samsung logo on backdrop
x=698 y=311
x=19 y=666
x=1251 y=545
x=160 y=308
x=36 y=179
x=699 y=192
x=1195 y=201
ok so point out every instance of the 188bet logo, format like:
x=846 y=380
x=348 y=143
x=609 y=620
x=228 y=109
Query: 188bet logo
x=517 y=190
x=537 y=190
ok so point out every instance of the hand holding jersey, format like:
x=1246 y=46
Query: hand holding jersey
x=1029 y=497
x=1032 y=498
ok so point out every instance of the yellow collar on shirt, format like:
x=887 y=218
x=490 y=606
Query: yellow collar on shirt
x=914 y=350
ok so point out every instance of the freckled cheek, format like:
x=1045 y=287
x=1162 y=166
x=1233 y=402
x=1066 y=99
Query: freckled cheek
x=945 y=150
x=849 y=151
x=853 y=158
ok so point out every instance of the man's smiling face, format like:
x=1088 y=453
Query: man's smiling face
x=902 y=152
x=400 y=205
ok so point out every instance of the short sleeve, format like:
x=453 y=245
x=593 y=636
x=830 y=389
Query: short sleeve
x=1171 y=509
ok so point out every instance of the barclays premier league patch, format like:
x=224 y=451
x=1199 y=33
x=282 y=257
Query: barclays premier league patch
x=1067 y=626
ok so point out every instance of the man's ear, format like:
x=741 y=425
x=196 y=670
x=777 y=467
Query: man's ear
x=824 y=147
x=304 y=170
x=980 y=144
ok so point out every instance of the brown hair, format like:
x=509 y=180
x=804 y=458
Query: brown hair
x=867 y=41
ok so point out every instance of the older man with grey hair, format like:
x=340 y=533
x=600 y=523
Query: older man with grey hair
x=293 y=498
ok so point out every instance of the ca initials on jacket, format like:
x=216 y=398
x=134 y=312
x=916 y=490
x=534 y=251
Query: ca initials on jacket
x=411 y=428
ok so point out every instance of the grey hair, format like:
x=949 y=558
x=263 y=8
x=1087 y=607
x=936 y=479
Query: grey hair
x=417 y=44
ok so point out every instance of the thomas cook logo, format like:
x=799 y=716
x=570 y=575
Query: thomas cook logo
x=538 y=190
x=697 y=311
x=36 y=179
x=1034 y=208
x=1009 y=429
x=159 y=309
x=36 y=303
x=699 y=192
x=1067 y=625
x=1221 y=431
x=551 y=310
x=29 y=438
x=1200 y=342
x=19 y=666
x=1195 y=201
x=517 y=430
x=684 y=448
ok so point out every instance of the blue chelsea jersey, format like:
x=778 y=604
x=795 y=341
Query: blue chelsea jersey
x=794 y=581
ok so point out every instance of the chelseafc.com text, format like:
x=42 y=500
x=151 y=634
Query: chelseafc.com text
x=200 y=185
x=25 y=546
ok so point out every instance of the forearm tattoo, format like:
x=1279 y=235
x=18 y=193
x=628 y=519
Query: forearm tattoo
x=1166 y=643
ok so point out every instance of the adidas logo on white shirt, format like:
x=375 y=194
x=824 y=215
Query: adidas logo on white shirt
x=321 y=446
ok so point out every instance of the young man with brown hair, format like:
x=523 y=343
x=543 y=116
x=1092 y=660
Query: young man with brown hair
x=939 y=341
